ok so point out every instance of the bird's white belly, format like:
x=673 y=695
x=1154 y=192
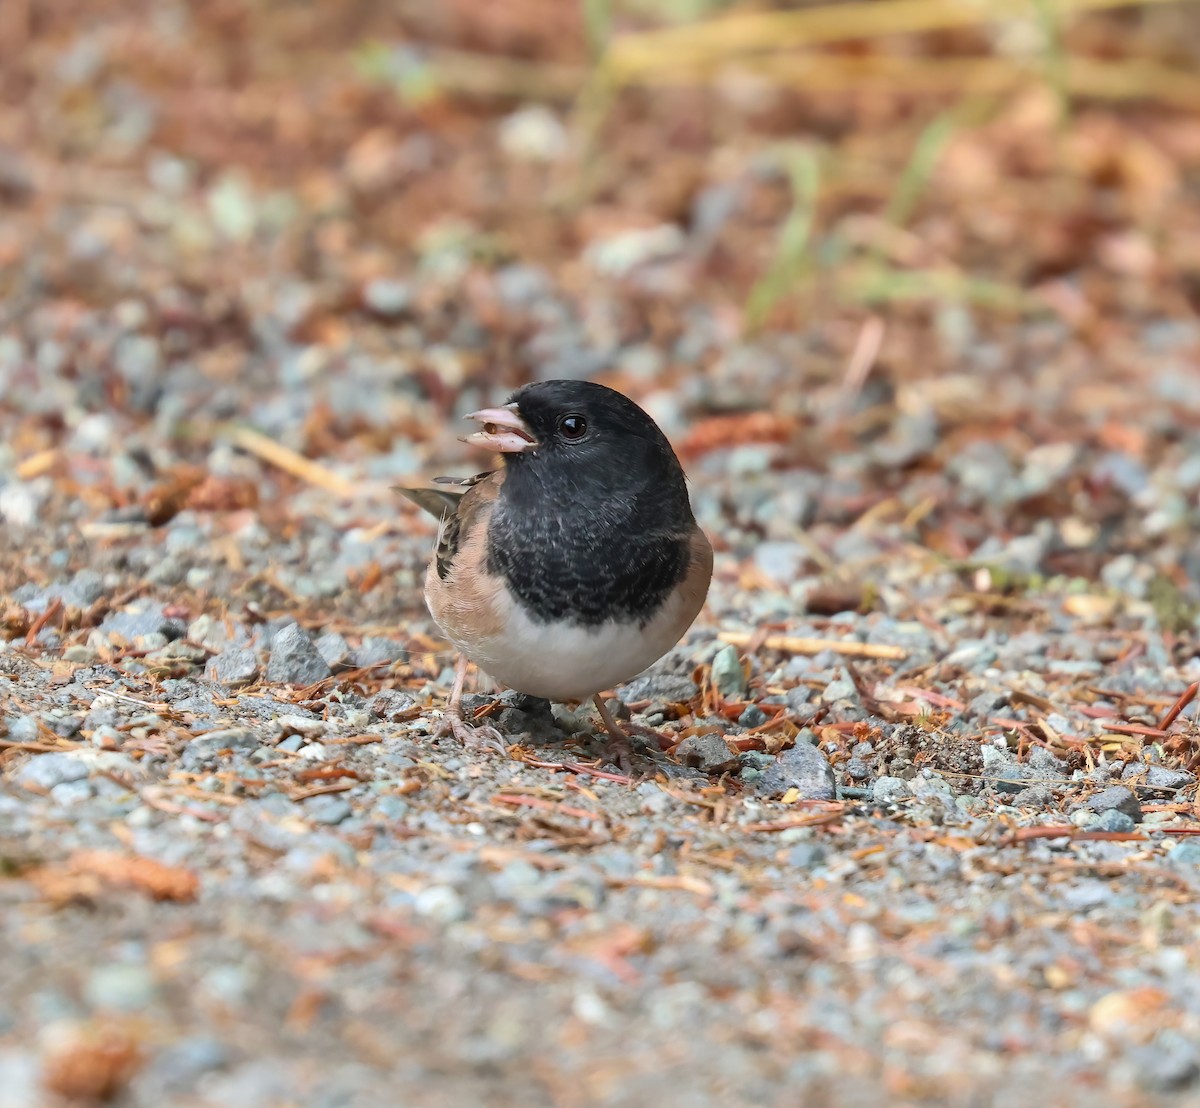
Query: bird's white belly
x=565 y=662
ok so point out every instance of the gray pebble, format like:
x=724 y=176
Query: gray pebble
x=391 y=808
x=294 y=659
x=23 y=729
x=753 y=716
x=890 y=790
x=328 y=810
x=857 y=769
x=706 y=752
x=781 y=561
x=927 y=783
x=48 y=770
x=838 y=690
x=1186 y=854
x=1036 y=796
x=1153 y=778
x=377 y=651
x=728 y=677
x=1045 y=762
x=334 y=649
x=233 y=668
x=802 y=767
x=390 y=703
x=120 y=988
x=807 y=855
x=1117 y=798
x=976 y=655
x=659 y=688
x=227 y=738
x=1111 y=819
x=179 y=1064
x=440 y=903
x=388 y=297
x=70 y=793
x=1170 y=1062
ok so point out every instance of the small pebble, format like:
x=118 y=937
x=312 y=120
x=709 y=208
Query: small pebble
x=728 y=677
x=1116 y=798
x=890 y=790
x=294 y=659
x=802 y=767
x=45 y=771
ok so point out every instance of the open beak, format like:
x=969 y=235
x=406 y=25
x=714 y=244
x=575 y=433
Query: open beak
x=501 y=430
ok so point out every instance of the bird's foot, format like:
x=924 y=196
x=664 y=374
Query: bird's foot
x=619 y=752
x=469 y=734
x=663 y=742
x=618 y=749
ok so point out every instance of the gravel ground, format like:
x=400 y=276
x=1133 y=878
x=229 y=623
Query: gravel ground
x=925 y=829
x=238 y=869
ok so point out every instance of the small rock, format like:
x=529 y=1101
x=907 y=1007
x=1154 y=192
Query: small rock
x=1153 y=778
x=927 y=784
x=780 y=561
x=753 y=716
x=890 y=790
x=298 y=725
x=106 y=737
x=80 y=655
x=838 y=690
x=387 y=297
x=728 y=677
x=857 y=769
x=621 y=253
x=660 y=689
x=329 y=810
x=1186 y=855
x=181 y=1063
x=209 y=632
x=440 y=903
x=1169 y=1063
x=533 y=133
x=227 y=738
x=390 y=704
x=807 y=855
x=974 y=656
x=233 y=668
x=706 y=752
x=24 y=729
x=1110 y=820
x=803 y=768
x=120 y=988
x=71 y=793
x=1036 y=796
x=1117 y=798
x=294 y=659
x=334 y=649
x=48 y=770
x=1046 y=763
x=376 y=651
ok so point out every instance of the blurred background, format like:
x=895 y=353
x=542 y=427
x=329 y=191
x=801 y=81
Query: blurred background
x=939 y=261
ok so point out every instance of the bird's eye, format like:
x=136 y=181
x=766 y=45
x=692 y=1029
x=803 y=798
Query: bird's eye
x=572 y=427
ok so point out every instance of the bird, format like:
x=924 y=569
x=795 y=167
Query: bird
x=575 y=564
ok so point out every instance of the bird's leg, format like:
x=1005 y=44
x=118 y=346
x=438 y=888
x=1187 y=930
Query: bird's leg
x=452 y=722
x=618 y=748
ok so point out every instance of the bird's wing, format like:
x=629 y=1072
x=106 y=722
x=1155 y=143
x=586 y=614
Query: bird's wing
x=459 y=512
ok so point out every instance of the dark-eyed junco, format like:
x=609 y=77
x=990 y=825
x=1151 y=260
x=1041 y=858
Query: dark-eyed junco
x=575 y=565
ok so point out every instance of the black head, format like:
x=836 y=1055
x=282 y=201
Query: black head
x=563 y=440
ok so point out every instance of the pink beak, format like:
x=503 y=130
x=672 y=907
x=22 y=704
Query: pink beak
x=501 y=430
